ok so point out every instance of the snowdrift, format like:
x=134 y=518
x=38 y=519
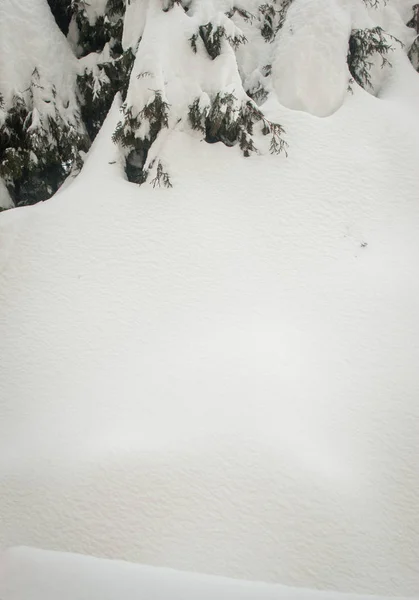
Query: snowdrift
x=28 y=574
x=222 y=377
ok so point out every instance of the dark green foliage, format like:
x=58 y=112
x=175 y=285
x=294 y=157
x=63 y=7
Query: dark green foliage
x=98 y=88
x=230 y=122
x=96 y=99
x=40 y=140
x=197 y=116
x=106 y=29
x=161 y=178
x=168 y=4
x=414 y=49
x=115 y=7
x=363 y=45
x=272 y=18
x=258 y=94
x=413 y=54
x=213 y=37
x=374 y=3
x=93 y=37
x=267 y=14
x=37 y=150
x=193 y=39
x=414 y=21
x=61 y=9
x=221 y=121
x=241 y=12
x=156 y=114
x=282 y=13
x=119 y=71
x=36 y=154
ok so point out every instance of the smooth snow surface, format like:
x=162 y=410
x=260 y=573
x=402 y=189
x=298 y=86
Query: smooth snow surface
x=27 y=574
x=222 y=377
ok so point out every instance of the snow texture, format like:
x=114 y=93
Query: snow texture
x=27 y=574
x=309 y=69
x=222 y=377
x=5 y=199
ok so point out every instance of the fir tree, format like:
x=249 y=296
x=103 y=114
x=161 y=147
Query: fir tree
x=40 y=143
x=271 y=16
x=227 y=115
x=43 y=132
x=105 y=67
x=42 y=136
x=155 y=113
x=364 y=46
x=414 y=49
x=43 y=129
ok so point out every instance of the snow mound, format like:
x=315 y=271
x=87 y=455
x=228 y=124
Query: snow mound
x=29 y=574
x=223 y=377
x=309 y=69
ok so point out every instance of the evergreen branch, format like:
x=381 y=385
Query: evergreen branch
x=161 y=178
x=364 y=44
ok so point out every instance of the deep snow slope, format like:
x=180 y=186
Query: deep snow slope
x=222 y=377
x=27 y=574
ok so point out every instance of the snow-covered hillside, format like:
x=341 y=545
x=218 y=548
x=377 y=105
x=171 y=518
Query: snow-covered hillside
x=222 y=376
x=38 y=575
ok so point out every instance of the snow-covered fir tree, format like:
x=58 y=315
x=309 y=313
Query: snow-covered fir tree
x=207 y=67
x=95 y=33
x=414 y=49
x=186 y=75
x=41 y=130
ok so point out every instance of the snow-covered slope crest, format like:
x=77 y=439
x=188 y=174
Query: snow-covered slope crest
x=30 y=574
x=222 y=377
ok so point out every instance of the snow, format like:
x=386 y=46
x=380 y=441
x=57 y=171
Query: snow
x=44 y=82
x=5 y=200
x=95 y=9
x=28 y=574
x=165 y=62
x=37 y=34
x=220 y=377
x=309 y=67
x=135 y=19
